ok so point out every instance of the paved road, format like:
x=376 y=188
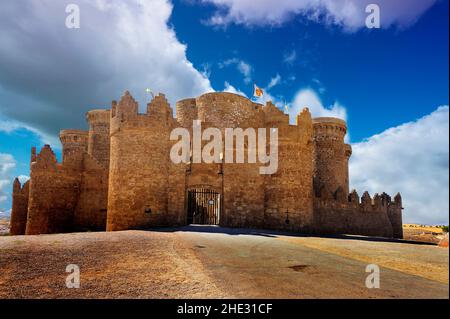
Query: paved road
x=212 y=262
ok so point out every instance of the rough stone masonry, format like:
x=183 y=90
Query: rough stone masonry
x=119 y=176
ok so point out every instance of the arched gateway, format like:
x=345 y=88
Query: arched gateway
x=204 y=205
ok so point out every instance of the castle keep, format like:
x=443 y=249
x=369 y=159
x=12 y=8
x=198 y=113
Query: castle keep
x=118 y=175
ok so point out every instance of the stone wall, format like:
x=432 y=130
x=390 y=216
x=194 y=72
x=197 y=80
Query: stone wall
x=99 y=140
x=91 y=210
x=288 y=192
x=396 y=216
x=54 y=191
x=19 y=211
x=242 y=184
x=187 y=112
x=74 y=145
x=337 y=213
x=139 y=163
x=119 y=175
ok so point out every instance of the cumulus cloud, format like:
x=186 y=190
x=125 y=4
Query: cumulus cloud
x=50 y=75
x=412 y=159
x=348 y=14
x=243 y=67
x=231 y=89
x=309 y=98
x=7 y=164
x=10 y=126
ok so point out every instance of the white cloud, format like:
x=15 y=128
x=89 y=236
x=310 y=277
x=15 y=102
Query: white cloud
x=290 y=57
x=306 y=97
x=23 y=179
x=243 y=67
x=309 y=98
x=50 y=75
x=267 y=97
x=9 y=126
x=6 y=213
x=231 y=89
x=412 y=159
x=7 y=164
x=274 y=81
x=348 y=14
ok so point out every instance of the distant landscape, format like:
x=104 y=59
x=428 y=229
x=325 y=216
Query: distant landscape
x=416 y=232
x=424 y=233
x=4 y=225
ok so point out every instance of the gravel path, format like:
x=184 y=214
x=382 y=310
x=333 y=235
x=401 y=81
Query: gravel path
x=208 y=262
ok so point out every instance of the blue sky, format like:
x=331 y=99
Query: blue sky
x=372 y=72
x=388 y=83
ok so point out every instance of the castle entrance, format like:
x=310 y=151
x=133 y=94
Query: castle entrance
x=204 y=205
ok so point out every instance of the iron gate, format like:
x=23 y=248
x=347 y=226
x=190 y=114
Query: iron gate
x=203 y=206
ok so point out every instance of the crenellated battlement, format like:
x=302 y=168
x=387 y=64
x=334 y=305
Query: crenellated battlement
x=159 y=108
x=74 y=145
x=127 y=107
x=338 y=198
x=125 y=115
x=19 y=209
x=76 y=138
x=18 y=188
x=274 y=117
x=329 y=128
x=228 y=110
x=98 y=138
x=377 y=216
x=119 y=174
x=100 y=116
x=46 y=158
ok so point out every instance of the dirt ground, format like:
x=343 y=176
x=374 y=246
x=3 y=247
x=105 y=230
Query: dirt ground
x=213 y=262
x=428 y=234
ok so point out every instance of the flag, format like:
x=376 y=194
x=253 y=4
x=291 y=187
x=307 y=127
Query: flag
x=258 y=92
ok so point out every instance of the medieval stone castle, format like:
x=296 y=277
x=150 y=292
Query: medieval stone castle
x=119 y=176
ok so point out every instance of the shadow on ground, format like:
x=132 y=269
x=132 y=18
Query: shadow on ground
x=275 y=234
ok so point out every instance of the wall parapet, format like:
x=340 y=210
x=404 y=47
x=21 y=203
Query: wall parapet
x=338 y=198
x=336 y=212
x=19 y=211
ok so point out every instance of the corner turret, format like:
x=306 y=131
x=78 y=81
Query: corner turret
x=75 y=144
x=331 y=154
x=98 y=139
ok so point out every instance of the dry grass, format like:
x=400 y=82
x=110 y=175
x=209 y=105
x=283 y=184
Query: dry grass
x=430 y=262
x=424 y=228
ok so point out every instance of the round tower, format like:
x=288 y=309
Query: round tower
x=99 y=140
x=74 y=143
x=186 y=112
x=330 y=155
